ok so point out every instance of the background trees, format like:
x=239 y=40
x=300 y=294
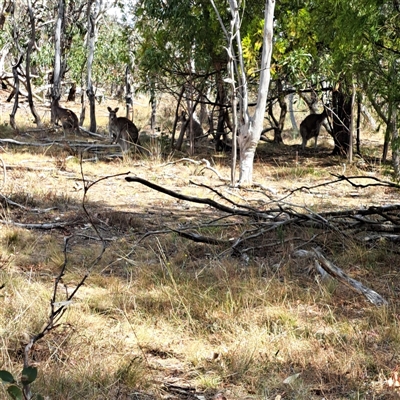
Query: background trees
x=179 y=48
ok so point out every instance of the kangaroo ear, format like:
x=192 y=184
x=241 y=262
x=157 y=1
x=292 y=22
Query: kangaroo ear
x=116 y=110
x=109 y=109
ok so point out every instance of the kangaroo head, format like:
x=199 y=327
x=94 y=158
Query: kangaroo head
x=113 y=113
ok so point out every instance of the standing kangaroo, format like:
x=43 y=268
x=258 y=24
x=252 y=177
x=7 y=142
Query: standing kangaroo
x=68 y=118
x=310 y=127
x=122 y=130
x=197 y=129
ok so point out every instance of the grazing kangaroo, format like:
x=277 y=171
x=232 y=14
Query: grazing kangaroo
x=68 y=118
x=122 y=130
x=310 y=127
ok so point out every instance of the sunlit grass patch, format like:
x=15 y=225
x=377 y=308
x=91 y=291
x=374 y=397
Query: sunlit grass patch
x=158 y=305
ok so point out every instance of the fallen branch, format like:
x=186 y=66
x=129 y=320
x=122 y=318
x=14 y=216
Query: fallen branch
x=208 y=166
x=91 y=133
x=17 y=142
x=342 y=277
x=199 y=238
x=197 y=200
x=55 y=225
x=34 y=210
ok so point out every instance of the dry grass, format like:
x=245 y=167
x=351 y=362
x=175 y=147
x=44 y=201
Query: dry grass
x=166 y=311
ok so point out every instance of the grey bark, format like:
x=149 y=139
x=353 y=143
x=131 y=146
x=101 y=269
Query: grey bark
x=31 y=42
x=59 y=30
x=91 y=38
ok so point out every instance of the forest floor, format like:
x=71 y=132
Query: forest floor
x=164 y=316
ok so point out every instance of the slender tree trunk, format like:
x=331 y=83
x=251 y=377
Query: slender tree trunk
x=358 y=143
x=279 y=124
x=386 y=119
x=351 y=128
x=292 y=117
x=250 y=131
x=16 y=99
x=128 y=93
x=220 y=144
x=59 y=31
x=31 y=42
x=91 y=38
x=153 y=114
x=179 y=144
x=395 y=143
x=189 y=101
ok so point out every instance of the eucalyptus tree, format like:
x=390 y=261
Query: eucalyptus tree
x=96 y=10
x=29 y=49
x=250 y=123
x=181 y=46
x=22 y=30
x=364 y=45
x=296 y=60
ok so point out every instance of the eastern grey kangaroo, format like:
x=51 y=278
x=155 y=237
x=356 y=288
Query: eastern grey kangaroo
x=197 y=129
x=122 y=130
x=310 y=127
x=68 y=118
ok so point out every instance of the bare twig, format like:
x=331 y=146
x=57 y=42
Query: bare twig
x=199 y=238
x=58 y=308
x=4 y=172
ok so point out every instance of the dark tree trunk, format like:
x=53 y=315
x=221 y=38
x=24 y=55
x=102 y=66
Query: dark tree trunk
x=31 y=42
x=4 y=11
x=153 y=103
x=223 y=116
x=83 y=108
x=358 y=141
x=180 y=139
x=341 y=122
x=128 y=95
x=282 y=116
x=386 y=145
x=278 y=124
x=153 y=113
x=16 y=84
x=276 y=127
x=386 y=118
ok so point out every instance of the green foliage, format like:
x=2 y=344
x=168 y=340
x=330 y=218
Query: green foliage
x=6 y=376
x=15 y=392
x=28 y=375
x=298 y=56
x=174 y=37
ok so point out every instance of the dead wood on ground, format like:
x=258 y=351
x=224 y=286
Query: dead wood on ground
x=345 y=224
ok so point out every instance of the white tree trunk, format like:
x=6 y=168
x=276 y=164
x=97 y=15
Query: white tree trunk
x=250 y=127
x=56 y=90
x=250 y=131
